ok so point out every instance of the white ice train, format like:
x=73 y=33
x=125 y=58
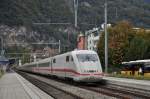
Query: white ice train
x=78 y=65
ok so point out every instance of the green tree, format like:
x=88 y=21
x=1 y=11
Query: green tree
x=118 y=40
x=139 y=46
x=136 y=49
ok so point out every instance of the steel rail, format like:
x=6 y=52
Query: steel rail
x=53 y=91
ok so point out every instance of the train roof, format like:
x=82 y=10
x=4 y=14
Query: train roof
x=44 y=60
x=78 y=52
x=83 y=51
x=71 y=52
x=29 y=63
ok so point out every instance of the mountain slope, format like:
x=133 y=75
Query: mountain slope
x=22 y=12
x=16 y=13
x=136 y=11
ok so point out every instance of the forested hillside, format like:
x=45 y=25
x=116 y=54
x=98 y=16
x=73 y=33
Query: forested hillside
x=24 y=12
x=16 y=13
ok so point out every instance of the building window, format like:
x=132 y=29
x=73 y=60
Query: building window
x=96 y=33
x=67 y=58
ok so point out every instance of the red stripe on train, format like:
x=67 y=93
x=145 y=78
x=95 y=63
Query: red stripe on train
x=68 y=70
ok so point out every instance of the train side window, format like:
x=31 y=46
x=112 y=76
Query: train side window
x=67 y=58
x=71 y=58
x=54 y=60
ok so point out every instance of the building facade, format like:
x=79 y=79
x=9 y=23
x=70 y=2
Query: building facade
x=92 y=38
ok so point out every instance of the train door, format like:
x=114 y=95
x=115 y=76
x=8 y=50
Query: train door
x=37 y=67
x=72 y=65
x=51 y=66
x=69 y=65
x=66 y=65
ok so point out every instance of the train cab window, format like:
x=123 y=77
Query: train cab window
x=87 y=57
x=54 y=60
x=67 y=58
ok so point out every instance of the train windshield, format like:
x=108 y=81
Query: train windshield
x=87 y=57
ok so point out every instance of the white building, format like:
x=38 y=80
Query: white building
x=92 y=38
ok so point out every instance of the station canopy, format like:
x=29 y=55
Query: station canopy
x=146 y=61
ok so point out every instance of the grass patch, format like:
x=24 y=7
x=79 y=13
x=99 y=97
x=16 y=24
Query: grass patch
x=131 y=77
x=1 y=73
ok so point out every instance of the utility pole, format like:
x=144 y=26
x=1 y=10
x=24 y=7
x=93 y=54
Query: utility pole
x=76 y=12
x=116 y=14
x=106 y=39
x=2 y=52
x=59 y=46
x=116 y=10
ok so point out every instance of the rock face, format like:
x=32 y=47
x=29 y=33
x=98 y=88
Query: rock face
x=17 y=35
x=29 y=39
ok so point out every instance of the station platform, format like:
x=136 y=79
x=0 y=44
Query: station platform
x=142 y=84
x=14 y=86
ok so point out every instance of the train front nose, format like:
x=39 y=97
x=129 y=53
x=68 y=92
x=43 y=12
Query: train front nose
x=90 y=67
x=88 y=78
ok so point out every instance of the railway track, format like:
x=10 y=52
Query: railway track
x=118 y=92
x=139 y=93
x=53 y=91
x=112 y=90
